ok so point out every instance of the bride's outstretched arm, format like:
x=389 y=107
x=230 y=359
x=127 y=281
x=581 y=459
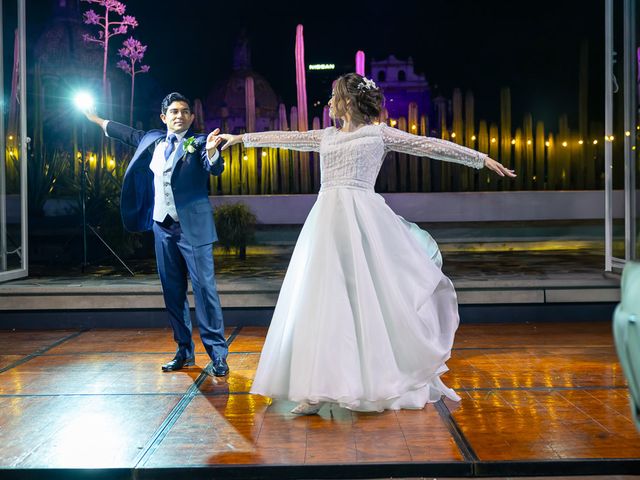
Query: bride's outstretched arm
x=403 y=142
x=303 y=141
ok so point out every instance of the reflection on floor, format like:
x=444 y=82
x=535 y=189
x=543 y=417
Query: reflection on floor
x=548 y=395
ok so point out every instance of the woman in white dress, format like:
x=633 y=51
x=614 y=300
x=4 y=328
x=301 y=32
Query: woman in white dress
x=365 y=317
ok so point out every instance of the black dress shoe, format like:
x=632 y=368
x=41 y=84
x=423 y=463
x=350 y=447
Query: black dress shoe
x=178 y=363
x=219 y=368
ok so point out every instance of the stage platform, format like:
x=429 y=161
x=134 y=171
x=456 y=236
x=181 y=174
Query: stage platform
x=537 y=399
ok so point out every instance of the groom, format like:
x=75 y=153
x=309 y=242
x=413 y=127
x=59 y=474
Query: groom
x=165 y=189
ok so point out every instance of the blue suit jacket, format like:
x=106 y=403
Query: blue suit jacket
x=189 y=182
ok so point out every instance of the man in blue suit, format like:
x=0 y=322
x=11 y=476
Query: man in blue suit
x=165 y=189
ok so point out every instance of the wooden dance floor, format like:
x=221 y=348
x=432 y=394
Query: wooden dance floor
x=546 y=399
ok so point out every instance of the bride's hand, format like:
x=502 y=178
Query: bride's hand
x=215 y=138
x=230 y=140
x=497 y=167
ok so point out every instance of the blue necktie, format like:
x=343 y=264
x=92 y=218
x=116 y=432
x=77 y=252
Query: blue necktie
x=170 y=146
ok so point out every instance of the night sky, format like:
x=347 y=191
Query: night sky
x=533 y=47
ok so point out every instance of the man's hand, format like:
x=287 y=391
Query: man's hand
x=213 y=140
x=91 y=115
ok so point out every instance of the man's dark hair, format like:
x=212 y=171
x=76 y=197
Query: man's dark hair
x=174 y=97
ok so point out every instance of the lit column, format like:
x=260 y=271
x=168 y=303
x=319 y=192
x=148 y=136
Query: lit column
x=301 y=82
x=250 y=163
x=250 y=104
x=360 y=62
x=282 y=118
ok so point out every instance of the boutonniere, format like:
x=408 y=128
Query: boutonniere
x=190 y=144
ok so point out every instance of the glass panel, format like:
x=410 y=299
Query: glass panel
x=618 y=135
x=636 y=197
x=12 y=169
x=637 y=202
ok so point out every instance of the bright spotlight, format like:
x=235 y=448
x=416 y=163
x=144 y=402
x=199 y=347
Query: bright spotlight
x=83 y=101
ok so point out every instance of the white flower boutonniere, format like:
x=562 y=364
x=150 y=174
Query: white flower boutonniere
x=190 y=144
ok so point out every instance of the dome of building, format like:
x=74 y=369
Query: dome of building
x=61 y=47
x=226 y=103
x=227 y=99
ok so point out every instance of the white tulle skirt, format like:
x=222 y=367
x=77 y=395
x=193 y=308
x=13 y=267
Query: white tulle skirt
x=365 y=317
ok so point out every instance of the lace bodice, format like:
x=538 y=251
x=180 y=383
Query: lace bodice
x=354 y=158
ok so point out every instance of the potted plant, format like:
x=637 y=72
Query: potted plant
x=235 y=224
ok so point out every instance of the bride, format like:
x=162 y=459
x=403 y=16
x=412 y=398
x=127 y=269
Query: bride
x=365 y=317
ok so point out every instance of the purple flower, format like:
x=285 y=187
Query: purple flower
x=119 y=8
x=91 y=18
x=113 y=6
x=119 y=28
x=134 y=50
x=129 y=20
x=124 y=65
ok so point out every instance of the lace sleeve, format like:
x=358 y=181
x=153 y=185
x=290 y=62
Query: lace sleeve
x=403 y=142
x=303 y=141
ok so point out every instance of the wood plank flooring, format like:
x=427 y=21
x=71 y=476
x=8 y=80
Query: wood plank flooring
x=546 y=398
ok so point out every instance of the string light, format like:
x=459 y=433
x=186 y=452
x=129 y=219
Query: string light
x=580 y=142
x=493 y=140
x=564 y=144
x=473 y=137
x=245 y=157
x=264 y=154
x=546 y=144
x=627 y=133
x=528 y=142
x=513 y=141
x=595 y=142
x=453 y=134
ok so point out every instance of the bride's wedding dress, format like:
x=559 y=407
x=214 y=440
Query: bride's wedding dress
x=365 y=317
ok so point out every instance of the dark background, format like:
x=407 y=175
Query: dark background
x=533 y=47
